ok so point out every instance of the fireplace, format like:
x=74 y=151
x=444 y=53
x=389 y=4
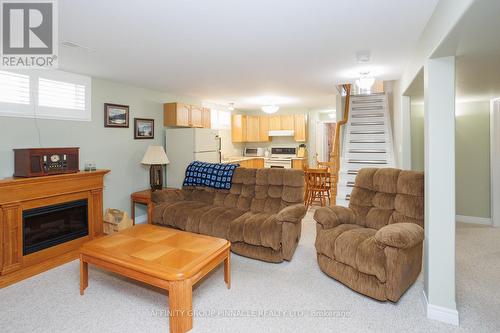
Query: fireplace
x=48 y=226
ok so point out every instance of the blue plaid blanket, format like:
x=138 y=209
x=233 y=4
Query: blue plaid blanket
x=214 y=175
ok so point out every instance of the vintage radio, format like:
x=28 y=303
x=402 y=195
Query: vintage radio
x=35 y=162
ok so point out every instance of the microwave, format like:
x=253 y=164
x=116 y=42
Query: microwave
x=254 y=152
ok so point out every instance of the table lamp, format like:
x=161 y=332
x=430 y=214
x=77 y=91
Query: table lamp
x=155 y=157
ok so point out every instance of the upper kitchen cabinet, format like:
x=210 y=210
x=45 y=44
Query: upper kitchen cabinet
x=287 y=123
x=249 y=128
x=196 y=117
x=183 y=115
x=274 y=123
x=207 y=122
x=253 y=134
x=300 y=127
x=264 y=129
x=176 y=114
x=238 y=128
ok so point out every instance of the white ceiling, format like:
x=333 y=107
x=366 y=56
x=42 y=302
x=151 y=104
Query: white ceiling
x=475 y=42
x=241 y=51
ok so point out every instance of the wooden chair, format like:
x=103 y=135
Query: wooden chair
x=318 y=186
x=330 y=166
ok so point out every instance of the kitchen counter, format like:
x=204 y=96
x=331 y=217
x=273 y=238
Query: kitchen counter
x=235 y=159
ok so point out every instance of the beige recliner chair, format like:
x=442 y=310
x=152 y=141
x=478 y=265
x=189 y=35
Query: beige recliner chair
x=375 y=245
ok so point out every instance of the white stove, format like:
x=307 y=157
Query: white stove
x=281 y=157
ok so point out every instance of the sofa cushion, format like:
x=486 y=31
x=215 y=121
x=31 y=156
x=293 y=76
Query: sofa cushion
x=260 y=229
x=215 y=221
x=354 y=246
x=325 y=238
x=385 y=196
x=177 y=214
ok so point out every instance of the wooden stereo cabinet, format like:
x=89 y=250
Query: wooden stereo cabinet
x=36 y=162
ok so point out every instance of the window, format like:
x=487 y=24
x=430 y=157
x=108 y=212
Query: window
x=220 y=119
x=14 y=88
x=45 y=94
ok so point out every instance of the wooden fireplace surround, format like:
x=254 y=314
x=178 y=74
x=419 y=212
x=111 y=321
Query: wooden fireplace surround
x=18 y=194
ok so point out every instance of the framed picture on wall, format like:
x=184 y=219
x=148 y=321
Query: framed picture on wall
x=116 y=115
x=144 y=128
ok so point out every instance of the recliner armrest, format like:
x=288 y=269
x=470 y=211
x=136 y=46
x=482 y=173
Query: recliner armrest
x=167 y=195
x=292 y=214
x=400 y=235
x=330 y=217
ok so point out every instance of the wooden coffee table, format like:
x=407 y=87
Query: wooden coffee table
x=166 y=258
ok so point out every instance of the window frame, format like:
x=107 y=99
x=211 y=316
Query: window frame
x=34 y=110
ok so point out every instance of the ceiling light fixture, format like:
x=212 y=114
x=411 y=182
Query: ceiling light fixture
x=270 y=108
x=231 y=107
x=365 y=81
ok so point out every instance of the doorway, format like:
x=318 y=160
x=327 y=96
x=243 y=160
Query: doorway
x=325 y=133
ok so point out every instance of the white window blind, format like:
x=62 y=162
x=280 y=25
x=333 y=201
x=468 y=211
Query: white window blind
x=59 y=94
x=14 y=88
x=45 y=94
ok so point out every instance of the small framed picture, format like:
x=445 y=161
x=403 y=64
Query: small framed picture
x=116 y=115
x=144 y=128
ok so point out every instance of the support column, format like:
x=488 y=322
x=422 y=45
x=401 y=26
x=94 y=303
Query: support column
x=406 y=132
x=439 y=120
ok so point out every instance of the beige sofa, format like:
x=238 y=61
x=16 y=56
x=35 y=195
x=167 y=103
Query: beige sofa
x=375 y=245
x=261 y=215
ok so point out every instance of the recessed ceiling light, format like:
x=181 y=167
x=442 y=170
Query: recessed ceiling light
x=363 y=57
x=231 y=107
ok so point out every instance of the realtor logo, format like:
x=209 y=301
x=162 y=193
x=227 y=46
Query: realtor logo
x=29 y=33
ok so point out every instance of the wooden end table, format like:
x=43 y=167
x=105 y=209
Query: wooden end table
x=143 y=197
x=167 y=258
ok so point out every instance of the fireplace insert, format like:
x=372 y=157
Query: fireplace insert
x=48 y=226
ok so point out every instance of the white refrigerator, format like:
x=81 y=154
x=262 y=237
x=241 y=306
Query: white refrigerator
x=185 y=145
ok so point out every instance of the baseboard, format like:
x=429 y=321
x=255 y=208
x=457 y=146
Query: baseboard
x=439 y=313
x=474 y=219
x=141 y=219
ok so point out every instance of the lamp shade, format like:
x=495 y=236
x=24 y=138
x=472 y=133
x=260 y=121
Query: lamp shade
x=155 y=155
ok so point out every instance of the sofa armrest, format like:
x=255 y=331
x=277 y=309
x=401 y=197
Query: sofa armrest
x=330 y=217
x=400 y=235
x=167 y=195
x=292 y=214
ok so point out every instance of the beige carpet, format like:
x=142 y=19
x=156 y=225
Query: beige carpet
x=289 y=297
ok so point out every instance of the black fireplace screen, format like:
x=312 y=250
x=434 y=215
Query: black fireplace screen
x=52 y=225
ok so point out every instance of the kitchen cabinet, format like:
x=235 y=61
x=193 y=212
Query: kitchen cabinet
x=300 y=127
x=253 y=134
x=264 y=129
x=247 y=128
x=238 y=128
x=253 y=163
x=287 y=122
x=258 y=163
x=196 y=117
x=184 y=115
x=298 y=164
x=207 y=121
x=274 y=123
x=176 y=114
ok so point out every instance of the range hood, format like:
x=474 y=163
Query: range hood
x=282 y=133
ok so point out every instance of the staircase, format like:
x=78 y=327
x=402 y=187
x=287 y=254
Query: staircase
x=367 y=142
